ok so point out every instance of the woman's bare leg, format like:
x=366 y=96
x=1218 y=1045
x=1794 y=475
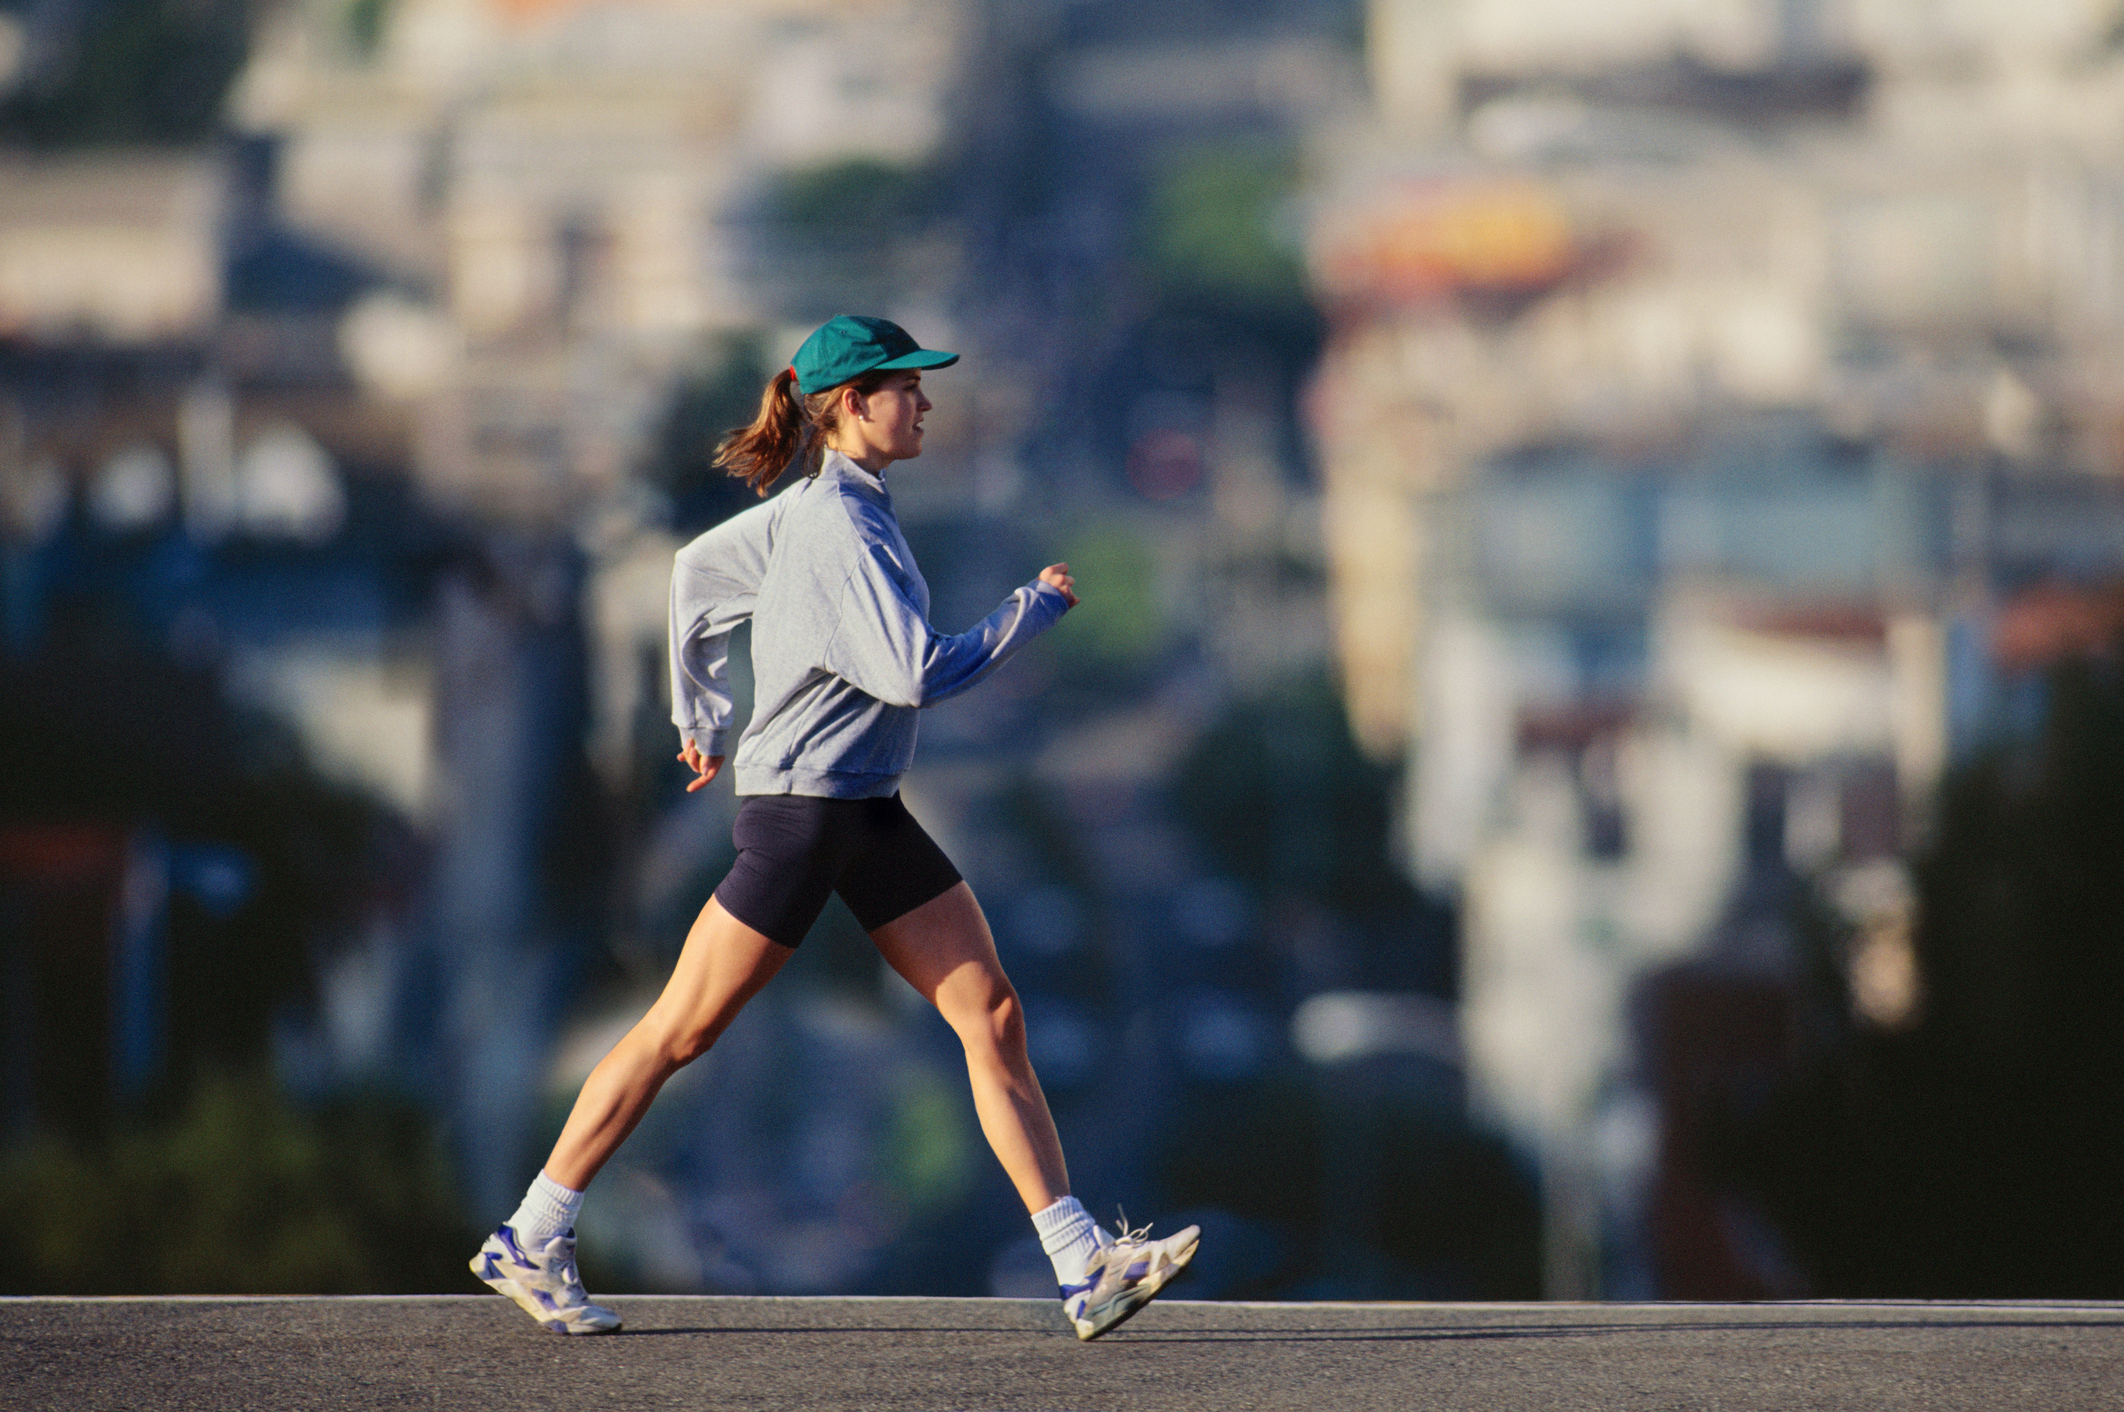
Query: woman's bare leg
x=945 y=951
x=723 y=965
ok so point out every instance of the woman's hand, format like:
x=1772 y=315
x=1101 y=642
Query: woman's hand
x=706 y=766
x=1057 y=576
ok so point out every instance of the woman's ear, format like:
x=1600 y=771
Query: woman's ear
x=853 y=404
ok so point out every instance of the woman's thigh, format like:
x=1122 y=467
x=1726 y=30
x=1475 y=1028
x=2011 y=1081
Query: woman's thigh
x=945 y=950
x=722 y=966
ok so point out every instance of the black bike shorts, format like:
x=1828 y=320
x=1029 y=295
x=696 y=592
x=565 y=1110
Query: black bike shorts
x=793 y=849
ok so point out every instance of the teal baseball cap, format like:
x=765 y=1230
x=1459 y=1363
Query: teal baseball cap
x=850 y=345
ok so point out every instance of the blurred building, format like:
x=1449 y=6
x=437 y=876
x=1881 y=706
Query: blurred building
x=1703 y=381
x=127 y=247
x=560 y=199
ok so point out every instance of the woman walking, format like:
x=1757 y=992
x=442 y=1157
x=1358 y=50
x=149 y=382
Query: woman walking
x=843 y=657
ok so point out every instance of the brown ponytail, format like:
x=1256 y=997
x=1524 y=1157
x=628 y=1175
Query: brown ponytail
x=758 y=454
x=789 y=427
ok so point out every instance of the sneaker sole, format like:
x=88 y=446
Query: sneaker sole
x=525 y=1300
x=1131 y=1302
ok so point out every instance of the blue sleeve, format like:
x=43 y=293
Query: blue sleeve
x=715 y=581
x=885 y=646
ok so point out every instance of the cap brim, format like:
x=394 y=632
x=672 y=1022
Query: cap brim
x=920 y=358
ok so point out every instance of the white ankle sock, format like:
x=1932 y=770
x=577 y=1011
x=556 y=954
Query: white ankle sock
x=549 y=1208
x=1070 y=1237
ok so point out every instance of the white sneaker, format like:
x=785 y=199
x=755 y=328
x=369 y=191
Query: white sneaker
x=544 y=1282
x=1124 y=1276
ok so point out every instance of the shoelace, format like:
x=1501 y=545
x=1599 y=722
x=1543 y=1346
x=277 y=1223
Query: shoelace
x=571 y=1290
x=1123 y=1235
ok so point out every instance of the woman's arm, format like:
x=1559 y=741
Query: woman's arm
x=885 y=646
x=715 y=582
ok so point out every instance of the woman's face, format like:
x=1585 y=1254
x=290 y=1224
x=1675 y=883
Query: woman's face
x=886 y=425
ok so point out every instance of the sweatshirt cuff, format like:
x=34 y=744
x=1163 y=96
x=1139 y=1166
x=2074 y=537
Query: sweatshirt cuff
x=1043 y=586
x=710 y=742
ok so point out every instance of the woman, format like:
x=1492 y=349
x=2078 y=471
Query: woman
x=843 y=655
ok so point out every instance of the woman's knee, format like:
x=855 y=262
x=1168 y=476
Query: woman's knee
x=677 y=1042
x=994 y=1021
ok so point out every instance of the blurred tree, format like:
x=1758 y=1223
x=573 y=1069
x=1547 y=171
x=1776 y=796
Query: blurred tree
x=1118 y=628
x=131 y=72
x=852 y=202
x=842 y=237
x=720 y=392
x=1280 y=795
x=113 y=736
x=240 y=1192
x=366 y=20
x=1975 y=1153
x=1216 y=232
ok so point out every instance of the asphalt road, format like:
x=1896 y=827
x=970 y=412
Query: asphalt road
x=478 y=1351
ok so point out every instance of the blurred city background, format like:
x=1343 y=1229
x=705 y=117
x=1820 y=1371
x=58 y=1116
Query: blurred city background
x=1591 y=764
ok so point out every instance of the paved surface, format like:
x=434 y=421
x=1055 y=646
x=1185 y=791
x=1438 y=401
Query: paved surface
x=478 y=1351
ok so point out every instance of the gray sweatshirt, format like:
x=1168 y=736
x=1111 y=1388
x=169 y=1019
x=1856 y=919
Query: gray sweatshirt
x=842 y=649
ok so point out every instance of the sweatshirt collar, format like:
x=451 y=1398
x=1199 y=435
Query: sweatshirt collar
x=846 y=469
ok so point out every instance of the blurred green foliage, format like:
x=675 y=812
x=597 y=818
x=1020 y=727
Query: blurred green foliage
x=1118 y=624
x=150 y=72
x=365 y=23
x=1279 y=793
x=717 y=394
x=930 y=1158
x=239 y=1192
x=855 y=200
x=210 y=1180
x=1975 y=1153
x=842 y=237
x=1214 y=230
x=322 y=851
